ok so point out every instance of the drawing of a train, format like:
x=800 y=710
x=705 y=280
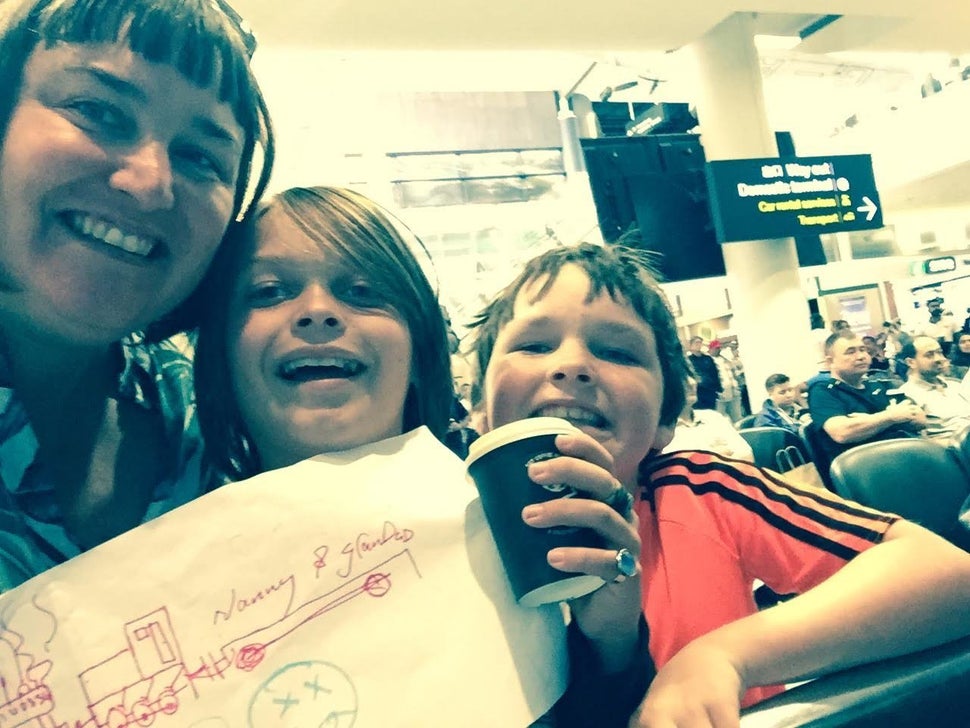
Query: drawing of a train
x=134 y=686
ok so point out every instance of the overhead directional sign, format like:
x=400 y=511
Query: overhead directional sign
x=778 y=197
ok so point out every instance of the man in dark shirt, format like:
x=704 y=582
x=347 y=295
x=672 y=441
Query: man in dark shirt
x=848 y=410
x=705 y=372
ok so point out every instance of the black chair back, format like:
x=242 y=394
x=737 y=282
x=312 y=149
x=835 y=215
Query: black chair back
x=745 y=422
x=961 y=447
x=918 y=479
x=770 y=446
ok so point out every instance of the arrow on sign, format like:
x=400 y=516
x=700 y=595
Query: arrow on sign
x=869 y=208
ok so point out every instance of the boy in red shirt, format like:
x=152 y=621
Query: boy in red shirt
x=584 y=333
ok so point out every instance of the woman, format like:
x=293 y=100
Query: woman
x=113 y=201
x=322 y=334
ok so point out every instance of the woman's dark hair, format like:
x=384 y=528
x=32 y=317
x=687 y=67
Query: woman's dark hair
x=202 y=39
x=626 y=276
x=361 y=233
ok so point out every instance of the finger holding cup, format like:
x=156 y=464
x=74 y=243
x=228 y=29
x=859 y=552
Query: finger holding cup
x=562 y=523
x=499 y=463
x=606 y=508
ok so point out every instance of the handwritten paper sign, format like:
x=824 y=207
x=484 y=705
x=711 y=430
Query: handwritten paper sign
x=355 y=589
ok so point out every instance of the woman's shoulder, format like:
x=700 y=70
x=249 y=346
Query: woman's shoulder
x=158 y=372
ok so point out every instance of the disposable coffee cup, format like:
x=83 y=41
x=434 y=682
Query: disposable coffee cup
x=497 y=463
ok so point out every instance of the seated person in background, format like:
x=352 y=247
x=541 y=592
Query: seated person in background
x=878 y=359
x=584 y=332
x=895 y=338
x=848 y=410
x=960 y=355
x=946 y=405
x=707 y=430
x=781 y=408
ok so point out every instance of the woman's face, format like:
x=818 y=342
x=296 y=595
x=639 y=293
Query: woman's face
x=964 y=344
x=114 y=197
x=320 y=361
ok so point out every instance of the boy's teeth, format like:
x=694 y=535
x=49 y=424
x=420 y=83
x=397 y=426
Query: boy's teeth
x=576 y=415
x=345 y=366
x=110 y=235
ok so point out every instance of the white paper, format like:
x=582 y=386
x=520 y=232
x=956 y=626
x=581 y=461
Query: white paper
x=355 y=589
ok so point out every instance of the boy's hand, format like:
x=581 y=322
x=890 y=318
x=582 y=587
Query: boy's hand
x=609 y=617
x=699 y=687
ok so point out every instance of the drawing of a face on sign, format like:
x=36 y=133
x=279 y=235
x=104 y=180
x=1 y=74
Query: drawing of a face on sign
x=305 y=695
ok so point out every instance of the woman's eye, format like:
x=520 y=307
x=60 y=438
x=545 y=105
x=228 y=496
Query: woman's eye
x=199 y=163
x=101 y=116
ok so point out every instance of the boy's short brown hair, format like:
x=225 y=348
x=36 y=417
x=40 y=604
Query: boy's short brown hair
x=623 y=273
x=776 y=380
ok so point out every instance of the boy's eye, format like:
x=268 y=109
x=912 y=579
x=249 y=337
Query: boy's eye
x=264 y=293
x=620 y=356
x=362 y=293
x=533 y=347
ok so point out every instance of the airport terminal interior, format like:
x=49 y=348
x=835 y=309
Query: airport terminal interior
x=454 y=118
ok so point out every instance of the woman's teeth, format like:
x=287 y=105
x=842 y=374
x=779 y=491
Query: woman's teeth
x=108 y=234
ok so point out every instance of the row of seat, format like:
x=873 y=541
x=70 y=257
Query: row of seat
x=923 y=480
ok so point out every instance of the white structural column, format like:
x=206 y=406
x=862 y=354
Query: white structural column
x=770 y=310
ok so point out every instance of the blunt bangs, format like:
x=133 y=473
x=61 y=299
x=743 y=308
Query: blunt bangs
x=192 y=36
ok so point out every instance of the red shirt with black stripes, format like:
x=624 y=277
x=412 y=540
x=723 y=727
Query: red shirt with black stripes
x=710 y=526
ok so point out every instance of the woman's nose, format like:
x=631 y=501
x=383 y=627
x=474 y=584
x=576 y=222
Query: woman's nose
x=145 y=173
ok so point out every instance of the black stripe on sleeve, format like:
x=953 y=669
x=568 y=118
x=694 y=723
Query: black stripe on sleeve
x=760 y=509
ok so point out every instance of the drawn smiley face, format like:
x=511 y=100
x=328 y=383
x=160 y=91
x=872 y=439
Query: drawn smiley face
x=305 y=695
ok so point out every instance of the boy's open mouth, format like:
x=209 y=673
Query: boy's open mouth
x=306 y=369
x=578 y=416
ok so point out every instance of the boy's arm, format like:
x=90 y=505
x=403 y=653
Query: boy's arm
x=906 y=594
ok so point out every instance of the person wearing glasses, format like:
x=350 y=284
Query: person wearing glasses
x=113 y=201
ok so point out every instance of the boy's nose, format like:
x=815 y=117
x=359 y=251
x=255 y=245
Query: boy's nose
x=317 y=310
x=564 y=373
x=571 y=365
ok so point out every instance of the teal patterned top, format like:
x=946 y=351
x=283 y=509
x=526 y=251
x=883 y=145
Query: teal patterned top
x=33 y=538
